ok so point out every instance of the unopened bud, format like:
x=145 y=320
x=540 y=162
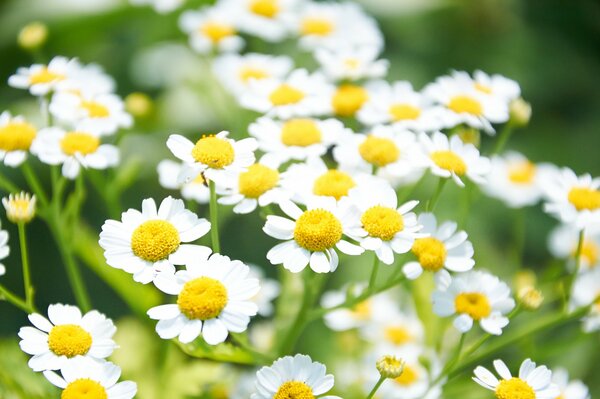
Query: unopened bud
x=530 y=298
x=20 y=208
x=520 y=112
x=138 y=104
x=33 y=36
x=390 y=366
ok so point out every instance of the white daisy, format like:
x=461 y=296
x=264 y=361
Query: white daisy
x=311 y=236
x=298 y=138
x=563 y=242
x=66 y=336
x=495 y=85
x=16 y=136
x=219 y=158
x=150 y=242
x=444 y=248
x=84 y=377
x=4 y=250
x=266 y=19
x=269 y=290
x=351 y=63
x=214 y=296
x=573 y=389
x=212 y=28
x=299 y=95
x=573 y=199
x=90 y=80
x=532 y=383
x=168 y=177
x=380 y=225
x=450 y=157
x=293 y=377
x=586 y=292
x=473 y=296
x=43 y=79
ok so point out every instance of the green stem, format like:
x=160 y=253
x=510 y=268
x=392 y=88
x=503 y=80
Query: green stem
x=505 y=134
x=34 y=183
x=7 y=185
x=573 y=276
x=29 y=290
x=408 y=192
x=436 y=195
x=242 y=343
x=376 y=387
x=6 y=294
x=374 y=271
x=214 y=218
x=293 y=333
x=452 y=362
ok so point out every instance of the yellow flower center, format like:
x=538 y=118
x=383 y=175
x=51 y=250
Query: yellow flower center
x=154 y=240
x=317 y=230
x=333 y=183
x=300 y=132
x=348 y=99
x=401 y=112
x=430 y=252
x=294 y=390
x=584 y=198
x=483 y=88
x=362 y=310
x=247 y=72
x=95 y=109
x=285 y=95
x=69 y=340
x=397 y=335
x=16 y=136
x=214 y=152
x=202 y=298
x=382 y=222
x=521 y=172
x=474 y=304
x=379 y=151
x=84 y=388
x=515 y=388
x=465 y=104
x=257 y=180
x=316 y=26
x=217 y=31
x=44 y=75
x=450 y=161
x=79 y=142
x=20 y=209
x=408 y=376
x=265 y=8
x=590 y=251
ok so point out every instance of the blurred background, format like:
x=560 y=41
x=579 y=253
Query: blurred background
x=551 y=47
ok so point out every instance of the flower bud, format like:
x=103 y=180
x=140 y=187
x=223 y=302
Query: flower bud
x=520 y=112
x=138 y=104
x=20 y=208
x=530 y=298
x=390 y=366
x=33 y=36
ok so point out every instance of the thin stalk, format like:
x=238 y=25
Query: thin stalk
x=214 y=218
x=374 y=271
x=505 y=134
x=573 y=276
x=452 y=362
x=34 y=183
x=29 y=290
x=436 y=195
x=242 y=343
x=287 y=343
x=6 y=294
x=7 y=185
x=408 y=192
x=376 y=387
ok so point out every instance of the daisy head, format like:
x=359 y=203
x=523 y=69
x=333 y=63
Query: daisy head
x=443 y=248
x=214 y=296
x=66 y=336
x=84 y=377
x=349 y=63
x=74 y=149
x=495 y=85
x=569 y=389
x=295 y=377
x=564 y=240
x=473 y=296
x=152 y=241
x=357 y=316
x=20 y=208
x=266 y=19
x=532 y=383
x=16 y=136
x=42 y=79
x=212 y=28
x=217 y=157
x=349 y=98
x=450 y=157
x=311 y=236
x=195 y=189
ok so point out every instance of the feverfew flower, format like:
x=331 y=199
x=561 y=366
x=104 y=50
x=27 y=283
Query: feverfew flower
x=213 y=297
x=573 y=389
x=152 y=241
x=450 y=157
x=532 y=383
x=348 y=98
x=20 y=207
x=473 y=296
x=4 y=249
x=311 y=236
x=293 y=377
x=361 y=314
x=66 y=337
x=212 y=28
x=494 y=85
x=269 y=290
x=393 y=327
x=266 y=19
x=586 y=292
x=196 y=189
x=16 y=136
x=43 y=79
x=351 y=63
x=444 y=248
x=563 y=242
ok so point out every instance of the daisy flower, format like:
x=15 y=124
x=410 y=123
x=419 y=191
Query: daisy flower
x=495 y=85
x=450 y=157
x=152 y=241
x=266 y=19
x=168 y=177
x=573 y=199
x=359 y=315
x=444 y=248
x=573 y=389
x=351 y=63
x=349 y=98
x=586 y=292
x=311 y=236
x=4 y=249
x=269 y=290
x=298 y=138
x=16 y=136
x=89 y=79
x=20 y=207
x=43 y=79
x=66 y=336
x=214 y=296
x=380 y=225
x=84 y=377
x=212 y=28
x=218 y=158
x=532 y=383
x=299 y=95
x=293 y=377
x=473 y=296
x=563 y=242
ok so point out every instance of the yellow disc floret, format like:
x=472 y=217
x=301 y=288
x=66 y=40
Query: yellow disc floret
x=257 y=180
x=217 y=31
x=317 y=230
x=362 y=310
x=397 y=335
x=155 y=240
x=408 y=377
x=474 y=304
x=16 y=136
x=84 y=388
x=515 y=388
x=333 y=183
x=69 y=340
x=79 y=143
x=300 y=133
x=465 y=104
x=430 y=252
x=521 y=172
x=382 y=222
x=202 y=298
x=402 y=112
x=294 y=390
x=316 y=26
x=348 y=99
x=214 y=152
x=95 y=109
x=590 y=251
x=449 y=161
x=584 y=198
x=379 y=151
x=285 y=95
x=44 y=75
x=247 y=72
x=265 y=8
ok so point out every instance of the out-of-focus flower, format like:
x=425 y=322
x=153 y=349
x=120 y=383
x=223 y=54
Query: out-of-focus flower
x=530 y=298
x=266 y=19
x=351 y=63
x=586 y=292
x=212 y=28
x=196 y=189
x=563 y=242
x=16 y=136
x=574 y=389
x=42 y=79
x=33 y=35
x=492 y=85
x=138 y=104
x=4 y=249
x=520 y=112
x=20 y=208
x=269 y=290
